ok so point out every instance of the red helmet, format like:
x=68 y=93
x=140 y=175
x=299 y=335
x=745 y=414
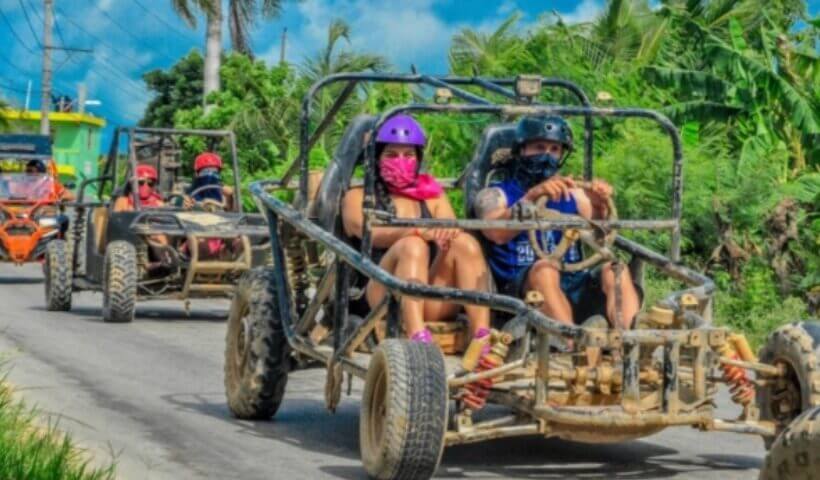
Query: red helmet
x=146 y=171
x=207 y=160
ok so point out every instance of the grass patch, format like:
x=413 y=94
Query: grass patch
x=33 y=453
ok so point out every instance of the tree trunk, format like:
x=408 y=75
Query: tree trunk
x=213 y=51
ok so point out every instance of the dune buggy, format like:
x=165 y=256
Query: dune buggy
x=121 y=252
x=611 y=385
x=30 y=198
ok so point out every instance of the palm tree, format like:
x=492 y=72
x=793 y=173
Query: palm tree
x=328 y=61
x=242 y=15
x=488 y=54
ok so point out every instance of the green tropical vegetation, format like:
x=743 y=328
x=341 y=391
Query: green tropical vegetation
x=741 y=79
x=242 y=15
x=30 y=452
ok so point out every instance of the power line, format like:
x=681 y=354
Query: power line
x=28 y=21
x=94 y=37
x=13 y=32
x=6 y=60
x=127 y=32
x=103 y=61
x=163 y=21
x=69 y=54
x=10 y=86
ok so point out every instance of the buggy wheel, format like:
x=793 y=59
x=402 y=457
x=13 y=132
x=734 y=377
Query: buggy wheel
x=796 y=452
x=404 y=411
x=795 y=348
x=119 y=282
x=257 y=354
x=58 y=276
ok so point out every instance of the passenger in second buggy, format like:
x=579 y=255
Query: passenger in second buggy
x=436 y=256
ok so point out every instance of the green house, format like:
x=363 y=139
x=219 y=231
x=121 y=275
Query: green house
x=76 y=138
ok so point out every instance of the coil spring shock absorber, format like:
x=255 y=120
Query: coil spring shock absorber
x=142 y=258
x=296 y=268
x=740 y=386
x=474 y=395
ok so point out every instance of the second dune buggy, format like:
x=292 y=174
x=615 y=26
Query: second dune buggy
x=664 y=372
x=118 y=252
x=31 y=195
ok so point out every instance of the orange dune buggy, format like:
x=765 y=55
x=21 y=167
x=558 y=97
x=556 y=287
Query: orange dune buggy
x=30 y=196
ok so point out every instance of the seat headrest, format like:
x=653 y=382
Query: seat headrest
x=493 y=151
x=336 y=179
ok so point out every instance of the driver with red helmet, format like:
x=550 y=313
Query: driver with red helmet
x=207 y=182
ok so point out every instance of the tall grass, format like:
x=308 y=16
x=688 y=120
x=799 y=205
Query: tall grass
x=33 y=453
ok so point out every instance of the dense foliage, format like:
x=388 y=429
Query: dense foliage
x=741 y=78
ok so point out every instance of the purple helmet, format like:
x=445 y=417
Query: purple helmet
x=402 y=129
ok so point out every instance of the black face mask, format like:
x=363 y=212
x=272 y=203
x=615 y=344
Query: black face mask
x=530 y=170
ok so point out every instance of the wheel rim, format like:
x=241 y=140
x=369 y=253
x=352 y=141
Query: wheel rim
x=243 y=341
x=378 y=411
x=786 y=398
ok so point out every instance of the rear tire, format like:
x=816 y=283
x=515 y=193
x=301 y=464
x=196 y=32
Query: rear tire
x=404 y=411
x=257 y=354
x=796 y=347
x=119 y=283
x=796 y=452
x=58 y=276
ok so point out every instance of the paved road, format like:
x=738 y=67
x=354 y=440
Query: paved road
x=149 y=394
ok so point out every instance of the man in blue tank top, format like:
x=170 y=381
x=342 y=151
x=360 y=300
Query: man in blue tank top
x=541 y=147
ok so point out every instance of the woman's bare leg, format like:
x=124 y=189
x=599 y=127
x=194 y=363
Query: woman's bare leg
x=407 y=259
x=461 y=266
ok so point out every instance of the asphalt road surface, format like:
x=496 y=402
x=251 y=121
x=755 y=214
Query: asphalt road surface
x=149 y=396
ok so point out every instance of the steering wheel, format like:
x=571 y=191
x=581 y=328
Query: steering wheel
x=600 y=244
x=209 y=204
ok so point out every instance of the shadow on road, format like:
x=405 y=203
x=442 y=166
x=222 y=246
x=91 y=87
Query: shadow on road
x=304 y=422
x=301 y=421
x=20 y=280
x=151 y=314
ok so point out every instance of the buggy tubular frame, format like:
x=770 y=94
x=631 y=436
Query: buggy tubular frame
x=287 y=219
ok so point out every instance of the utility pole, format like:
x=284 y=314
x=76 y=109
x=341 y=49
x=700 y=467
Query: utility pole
x=28 y=95
x=282 y=47
x=45 y=100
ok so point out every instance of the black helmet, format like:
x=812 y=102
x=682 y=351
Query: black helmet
x=551 y=128
x=37 y=165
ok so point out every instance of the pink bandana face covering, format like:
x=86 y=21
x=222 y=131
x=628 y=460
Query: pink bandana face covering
x=400 y=175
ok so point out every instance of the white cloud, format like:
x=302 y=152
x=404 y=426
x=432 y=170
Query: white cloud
x=586 y=11
x=506 y=7
x=405 y=33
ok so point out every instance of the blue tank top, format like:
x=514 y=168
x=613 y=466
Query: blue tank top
x=509 y=259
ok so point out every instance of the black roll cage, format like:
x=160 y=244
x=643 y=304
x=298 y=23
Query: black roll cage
x=112 y=164
x=297 y=218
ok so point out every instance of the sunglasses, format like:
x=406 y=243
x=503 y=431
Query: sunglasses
x=150 y=183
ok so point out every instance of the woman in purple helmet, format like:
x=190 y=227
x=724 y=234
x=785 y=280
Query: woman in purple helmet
x=436 y=256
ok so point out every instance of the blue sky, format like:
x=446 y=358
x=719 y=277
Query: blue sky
x=128 y=41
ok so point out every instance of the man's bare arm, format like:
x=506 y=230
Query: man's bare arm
x=491 y=204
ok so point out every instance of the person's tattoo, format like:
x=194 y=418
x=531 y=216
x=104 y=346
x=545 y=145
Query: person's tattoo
x=488 y=200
